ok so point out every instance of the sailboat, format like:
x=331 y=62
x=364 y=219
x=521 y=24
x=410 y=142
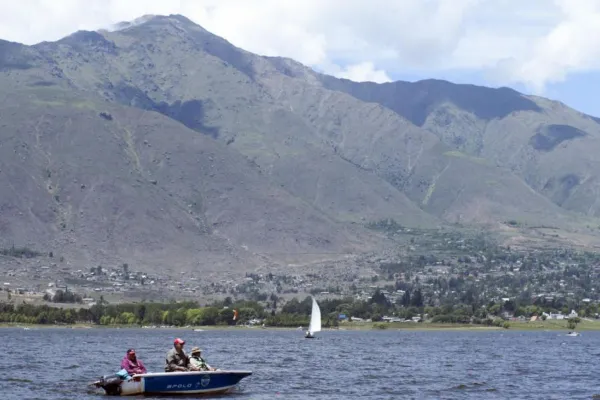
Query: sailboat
x=315 y=320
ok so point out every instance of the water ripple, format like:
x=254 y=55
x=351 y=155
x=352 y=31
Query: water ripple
x=338 y=365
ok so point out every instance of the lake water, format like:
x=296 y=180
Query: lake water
x=56 y=363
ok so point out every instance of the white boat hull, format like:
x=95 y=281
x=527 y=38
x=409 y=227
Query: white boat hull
x=193 y=382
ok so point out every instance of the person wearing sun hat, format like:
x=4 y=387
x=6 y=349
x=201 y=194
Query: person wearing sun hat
x=177 y=360
x=197 y=362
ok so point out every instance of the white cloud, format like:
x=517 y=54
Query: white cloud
x=363 y=72
x=573 y=45
x=532 y=42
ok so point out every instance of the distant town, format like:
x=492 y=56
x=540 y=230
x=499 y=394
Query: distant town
x=428 y=272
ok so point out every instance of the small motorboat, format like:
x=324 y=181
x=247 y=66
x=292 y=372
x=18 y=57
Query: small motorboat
x=573 y=334
x=171 y=383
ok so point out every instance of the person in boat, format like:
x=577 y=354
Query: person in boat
x=197 y=363
x=308 y=335
x=177 y=360
x=131 y=364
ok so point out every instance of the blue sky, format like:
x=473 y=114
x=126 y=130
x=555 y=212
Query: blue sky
x=549 y=48
x=580 y=91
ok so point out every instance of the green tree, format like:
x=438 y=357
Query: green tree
x=379 y=298
x=417 y=299
x=572 y=323
x=406 y=298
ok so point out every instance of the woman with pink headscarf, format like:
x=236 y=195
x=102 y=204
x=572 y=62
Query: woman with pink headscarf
x=131 y=364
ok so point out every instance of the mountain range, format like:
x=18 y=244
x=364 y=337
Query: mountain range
x=162 y=145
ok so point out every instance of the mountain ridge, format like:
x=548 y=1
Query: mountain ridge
x=300 y=163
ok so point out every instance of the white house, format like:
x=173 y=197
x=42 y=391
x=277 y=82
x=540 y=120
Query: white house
x=554 y=315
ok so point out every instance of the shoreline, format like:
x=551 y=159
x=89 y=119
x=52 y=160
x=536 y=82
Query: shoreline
x=514 y=326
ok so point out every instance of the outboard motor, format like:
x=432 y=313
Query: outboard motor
x=111 y=384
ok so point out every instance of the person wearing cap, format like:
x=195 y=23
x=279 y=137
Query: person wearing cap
x=197 y=363
x=131 y=364
x=177 y=360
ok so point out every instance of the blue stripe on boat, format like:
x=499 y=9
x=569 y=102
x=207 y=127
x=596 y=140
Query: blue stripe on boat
x=192 y=382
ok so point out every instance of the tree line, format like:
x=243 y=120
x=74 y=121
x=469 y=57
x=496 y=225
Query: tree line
x=293 y=313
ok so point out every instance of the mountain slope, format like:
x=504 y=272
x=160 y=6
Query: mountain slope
x=226 y=102
x=371 y=162
x=106 y=183
x=550 y=146
x=164 y=145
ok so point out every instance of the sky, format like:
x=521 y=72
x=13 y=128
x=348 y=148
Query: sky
x=549 y=48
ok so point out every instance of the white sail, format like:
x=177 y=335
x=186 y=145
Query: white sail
x=315 y=318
